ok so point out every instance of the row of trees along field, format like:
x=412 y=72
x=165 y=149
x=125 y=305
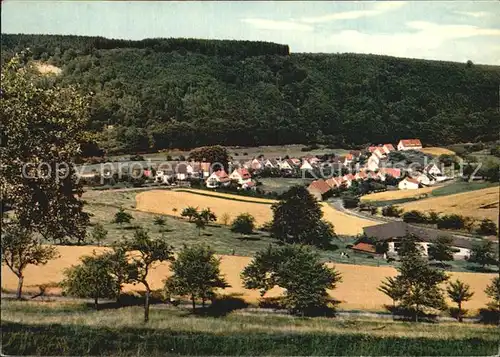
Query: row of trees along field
x=182 y=93
x=417 y=290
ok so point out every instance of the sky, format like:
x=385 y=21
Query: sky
x=444 y=30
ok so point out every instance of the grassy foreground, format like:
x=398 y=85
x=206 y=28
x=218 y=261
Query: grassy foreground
x=50 y=328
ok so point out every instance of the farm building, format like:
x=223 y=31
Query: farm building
x=393 y=232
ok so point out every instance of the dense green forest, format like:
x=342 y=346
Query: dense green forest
x=183 y=93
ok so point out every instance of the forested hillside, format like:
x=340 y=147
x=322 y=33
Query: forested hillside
x=182 y=93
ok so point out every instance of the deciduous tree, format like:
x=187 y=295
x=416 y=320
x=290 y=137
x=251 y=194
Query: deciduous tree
x=20 y=249
x=122 y=217
x=90 y=279
x=441 y=249
x=297 y=218
x=196 y=273
x=493 y=292
x=99 y=233
x=145 y=252
x=243 y=223
x=43 y=127
x=297 y=270
x=483 y=254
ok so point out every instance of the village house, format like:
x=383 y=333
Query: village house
x=373 y=163
x=334 y=182
x=349 y=158
x=218 y=178
x=253 y=164
x=409 y=144
x=393 y=232
x=306 y=165
x=408 y=183
x=318 y=189
x=425 y=180
x=433 y=170
x=241 y=176
x=386 y=171
x=388 y=148
x=271 y=163
x=379 y=153
x=285 y=165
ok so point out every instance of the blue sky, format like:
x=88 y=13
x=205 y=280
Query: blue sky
x=455 y=30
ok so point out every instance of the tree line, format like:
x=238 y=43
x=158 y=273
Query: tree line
x=156 y=96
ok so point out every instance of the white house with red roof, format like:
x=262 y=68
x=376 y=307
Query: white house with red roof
x=318 y=188
x=334 y=182
x=349 y=158
x=241 y=176
x=409 y=144
x=385 y=171
x=306 y=165
x=373 y=162
x=218 y=178
x=388 y=148
x=408 y=183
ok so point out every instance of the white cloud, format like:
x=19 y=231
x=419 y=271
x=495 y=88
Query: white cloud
x=430 y=41
x=266 y=24
x=378 y=9
x=476 y=14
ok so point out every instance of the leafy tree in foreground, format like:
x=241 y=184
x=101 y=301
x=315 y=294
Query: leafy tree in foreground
x=20 y=249
x=190 y=212
x=409 y=246
x=119 y=267
x=99 y=234
x=459 y=292
x=90 y=279
x=297 y=270
x=441 y=249
x=122 y=217
x=244 y=224
x=147 y=252
x=483 y=254
x=196 y=273
x=297 y=218
x=42 y=128
x=493 y=292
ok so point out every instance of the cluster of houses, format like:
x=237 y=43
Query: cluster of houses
x=348 y=169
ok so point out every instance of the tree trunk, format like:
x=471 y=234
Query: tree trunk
x=203 y=303
x=146 y=305
x=459 y=312
x=416 y=313
x=194 y=303
x=96 y=302
x=20 y=287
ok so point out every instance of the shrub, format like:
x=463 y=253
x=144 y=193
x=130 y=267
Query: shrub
x=391 y=211
x=244 y=224
x=487 y=228
x=373 y=210
x=350 y=201
x=433 y=217
x=414 y=217
x=452 y=221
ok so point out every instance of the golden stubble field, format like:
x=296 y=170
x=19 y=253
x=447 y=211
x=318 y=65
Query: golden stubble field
x=358 y=289
x=173 y=202
x=436 y=151
x=397 y=194
x=479 y=204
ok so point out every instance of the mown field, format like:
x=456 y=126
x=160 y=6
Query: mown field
x=357 y=291
x=436 y=151
x=398 y=194
x=479 y=204
x=55 y=328
x=173 y=202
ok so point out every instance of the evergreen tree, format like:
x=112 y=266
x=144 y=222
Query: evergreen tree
x=459 y=292
x=441 y=249
x=122 y=217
